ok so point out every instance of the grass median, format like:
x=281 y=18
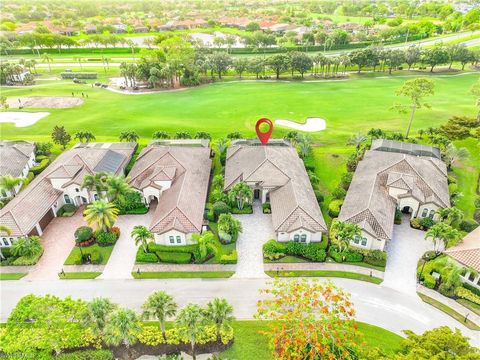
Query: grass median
x=325 y=273
x=12 y=276
x=182 y=274
x=79 y=275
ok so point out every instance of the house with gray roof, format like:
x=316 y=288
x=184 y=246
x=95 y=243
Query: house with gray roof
x=277 y=175
x=16 y=159
x=174 y=174
x=61 y=183
x=387 y=180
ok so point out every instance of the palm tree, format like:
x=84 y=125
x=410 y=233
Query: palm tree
x=292 y=137
x=97 y=313
x=8 y=183
x=141 y=235
x=240 y=194
x=452 y=154
x=95 y=182
x=228 y=224
x=160 y=135
x=344 y=232
x=4 y=229
x=304 y=146
x=48 y=59
x=121 y=328
x=357 y=140
x=28 y=246
x=442 y=233
x=191 y=320
x=89 y=136
x=219 y=312
x=206 y=243
x=222 y=145
x=451 y=215
x=160 y=306
x=117 y=188
x=101 y=213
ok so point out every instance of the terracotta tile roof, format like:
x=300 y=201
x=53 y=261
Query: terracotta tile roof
x=292 y=199
x=25 y=210
x=368 y=202
x=14 y=156
x=181 y=207
x=468 y=251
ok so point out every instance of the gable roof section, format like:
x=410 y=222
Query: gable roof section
x=292 y=199
x=14 y=156
x=368 y=202
x=468 y=251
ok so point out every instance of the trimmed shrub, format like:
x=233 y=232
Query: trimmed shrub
x=143 y=257
x=272 y=247
x=131 y=204
x=346 y=180
x=66 y=209
x=339 y=193
x=83 y=233
x=230 y=258
x=429 y=281
x=334 y=208
x=98 y=354
x=174 y=257
x=95 y=257
x=247 y=209
x=319 y=196
x=310 y=251
x=220 y=208
x=415 y=223
x=25 y=260
x=375 y=257
x=398 y=217
x=349 y=255
x=473 y=289
x=106 y=238
x=267 y=208
x=468 y=225
x=426 y=223
x=78 y=75
x=466 y=294
x=152 y=247
x=40 y=167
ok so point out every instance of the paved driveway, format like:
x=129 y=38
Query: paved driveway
x=405 y=249
x=257 y=229
x=58 y=240
x=122 y=259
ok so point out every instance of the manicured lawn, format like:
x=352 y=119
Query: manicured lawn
x=285 y=260
x=105 y=252
x=182 y=274
x=470 y=305
x=324 y=273
x=78 y=275
x=250 y=343
x=449 y=311
x=12 y=276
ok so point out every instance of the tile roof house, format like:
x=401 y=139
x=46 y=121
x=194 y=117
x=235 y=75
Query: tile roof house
x=277 y=175
x=175 y=173
x=467 y=254
x=60 y=183
x=16 y=159
x=385 y=181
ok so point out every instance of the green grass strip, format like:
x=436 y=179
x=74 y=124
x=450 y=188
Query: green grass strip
x=182 y=274
x=449 y=311
x=12 y=276
x=79 y=275
x=325 y=273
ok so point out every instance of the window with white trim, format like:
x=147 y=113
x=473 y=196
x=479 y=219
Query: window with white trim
x=67 y=199
x=303 y=238
x=424 y=212
x=179 y=239
x=432 y=214
x=360 y=240
x=172 y=240
x=296 y=238
x=5 y=241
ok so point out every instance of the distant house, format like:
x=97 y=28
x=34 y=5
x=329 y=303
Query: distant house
x=277 y=175
x=240 y=23
x=90 y=28
x=389 y=178
x=139 y=27
x=175 y=174
x=61 y=183
x=120 y=28
x=16 y=159
x=467 y=254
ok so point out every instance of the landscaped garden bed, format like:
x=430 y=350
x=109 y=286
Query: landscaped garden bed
x=24 y=252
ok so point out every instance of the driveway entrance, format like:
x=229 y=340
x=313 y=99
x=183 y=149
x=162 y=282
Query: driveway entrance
x=404 y=251
x=257 y=230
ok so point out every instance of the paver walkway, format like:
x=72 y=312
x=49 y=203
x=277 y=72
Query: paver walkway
x=404 y=251
x=58 y=240
x=122 y=259
x=257 y=229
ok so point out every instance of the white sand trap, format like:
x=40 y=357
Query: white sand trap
x=312 y=124
x=21 y=119
x=56 y=102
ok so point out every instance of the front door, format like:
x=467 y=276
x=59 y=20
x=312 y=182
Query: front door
x=256 y=194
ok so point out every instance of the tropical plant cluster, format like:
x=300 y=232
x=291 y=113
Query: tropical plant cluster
x=24 y=251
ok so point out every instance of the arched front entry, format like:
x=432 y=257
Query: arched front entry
x=152 y=198
x=407 y=210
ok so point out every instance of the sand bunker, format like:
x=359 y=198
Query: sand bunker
x=312 y=124
x=55 y=102
x=21 y=119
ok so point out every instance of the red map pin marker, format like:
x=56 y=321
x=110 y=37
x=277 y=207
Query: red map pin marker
x=264 y=136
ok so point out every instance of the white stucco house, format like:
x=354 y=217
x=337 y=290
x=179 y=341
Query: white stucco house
x=60 y=183
x=393 y=177
x=16 y=159
x=277 y=175
x=175 y=175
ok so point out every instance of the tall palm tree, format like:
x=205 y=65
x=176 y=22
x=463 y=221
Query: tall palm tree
x=451 y=216
x=442 y=233
x=8 y=183
x=97 y=312
x=343 y=233
x=219 y=312
x=95 y=182
x=159 y=305
x=48 y=59
x=120 y=329
x=28 y=246
x=222 y=145
x=240 y=194
x=206 y=243
x=191 y=320
x=304 y=146
x=141 y=235
x=88 y=136
x=102 y=214
x=357 y=140
x=452 y=154
x=117 y=187
x=4 y=229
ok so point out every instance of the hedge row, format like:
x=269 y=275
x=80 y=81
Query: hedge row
x=145 y=257
x=174 y=257
x=273 y=249
x=78 y=75
x=230 y=258
x=40 y=167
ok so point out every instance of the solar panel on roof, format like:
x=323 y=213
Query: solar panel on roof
x=110 y=163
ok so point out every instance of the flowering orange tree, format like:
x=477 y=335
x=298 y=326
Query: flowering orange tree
x=313 y=320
